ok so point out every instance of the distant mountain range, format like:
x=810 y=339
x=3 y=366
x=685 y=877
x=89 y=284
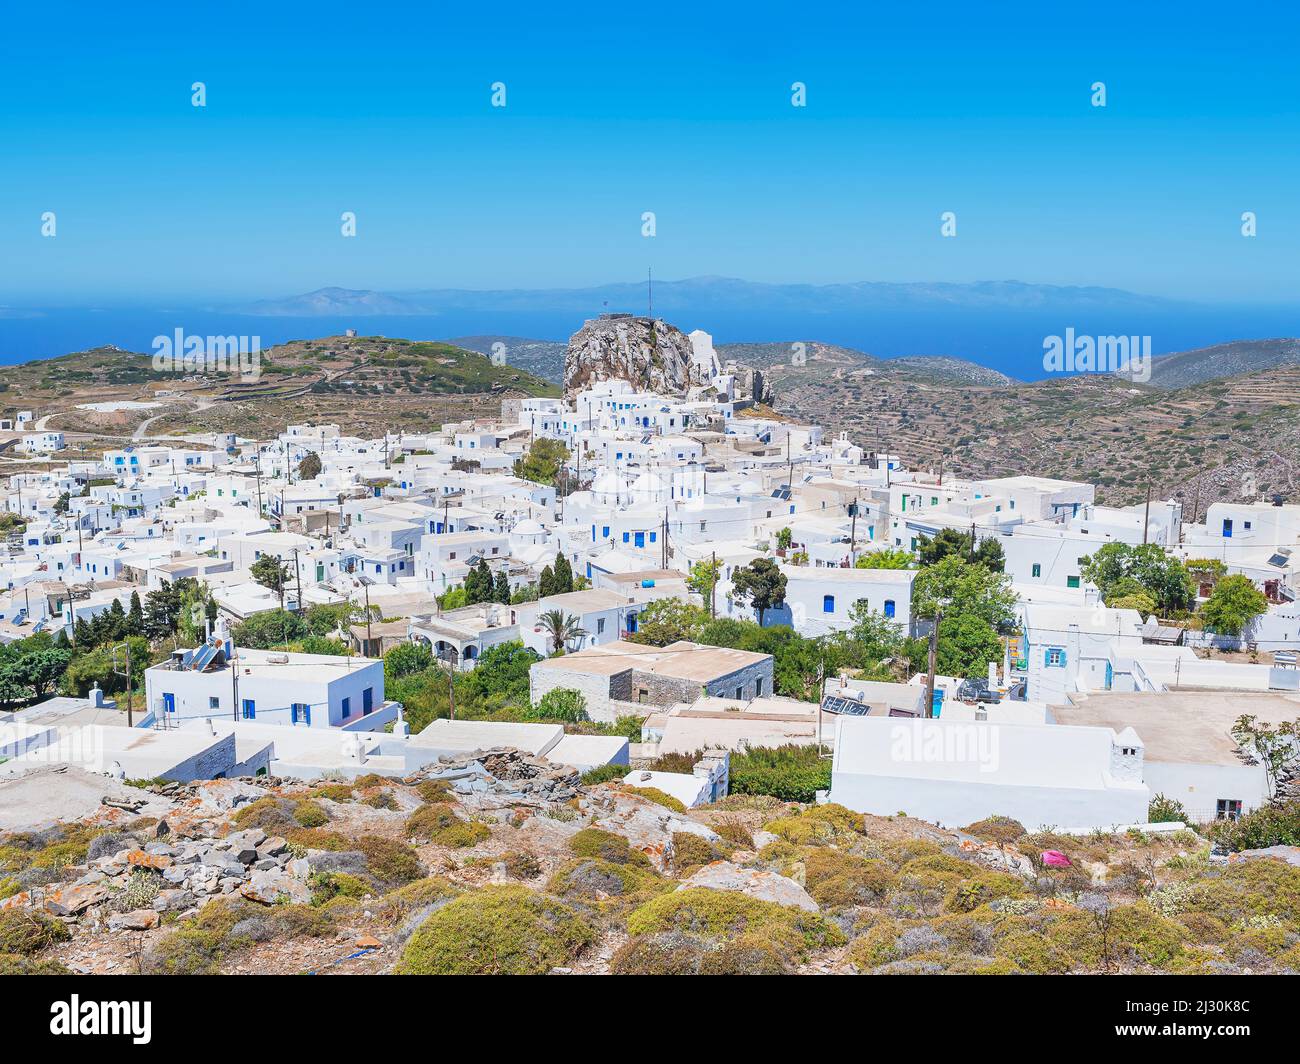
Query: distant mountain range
x=998 y=325
x=700 y=294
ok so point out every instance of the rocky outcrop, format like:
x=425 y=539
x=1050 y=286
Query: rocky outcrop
x=645 y=352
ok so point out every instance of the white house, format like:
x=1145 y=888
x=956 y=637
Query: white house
x=957 y=772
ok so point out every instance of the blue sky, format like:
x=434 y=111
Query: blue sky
x=681 y=109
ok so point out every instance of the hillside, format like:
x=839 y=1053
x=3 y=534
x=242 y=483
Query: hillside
x=1096 y=428
x=365 y=384
x=531 y=870
x=541 y=358
x=1222 y=360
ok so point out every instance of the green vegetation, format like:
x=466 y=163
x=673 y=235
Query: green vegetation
x=497 y=931
x=1233 y=605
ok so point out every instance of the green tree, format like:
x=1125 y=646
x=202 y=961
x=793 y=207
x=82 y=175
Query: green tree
x=546 y=583
x=1233 y=604
x=703 y=580
x=271 y=573
x=479 y=586
x=961 y=587
x=406 y=659
x=273 y=628
x=667 y=620
x=563 y=574
x=761 y=585
x=560 y=628
x=560 y=704
x=886 y=558
x=501 y=588
x=135 y=616
x=543 y=462
x=949 y=542
x=1117 y=567
x=784 y=538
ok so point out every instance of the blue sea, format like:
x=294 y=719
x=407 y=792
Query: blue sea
x=1007 y=340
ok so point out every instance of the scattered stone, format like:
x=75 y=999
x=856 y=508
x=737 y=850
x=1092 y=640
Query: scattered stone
x=138 y=920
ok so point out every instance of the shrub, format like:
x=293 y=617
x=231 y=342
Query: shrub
x=605 y=845
x=724 y=915
x=733 y=831
x=1164 y=810
x=439 y=824
x=561 y=704
x=522 y=864
x=1276 y=824
x=670 y=954
x=433 y=790
x=389 y=861
x=591 y=879
x=691 y=851
x=303 y=921
x=1000 y=830
x=27 y=931
x=658 y=797
x=381 y=800
x=16 y=964
x=325 y=886
x=791 y=773
x=604 y=774
x=837 y=880
x=417 y=894
x=310 y=814
x=818 y=825
x=335 y=792
x=270 y=814
x=497 y=931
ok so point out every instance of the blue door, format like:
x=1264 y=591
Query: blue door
x=367 y=700
x=936 y=704
x=640 y=539
x=1227 y=528
x=250 y=709
x=169 y=702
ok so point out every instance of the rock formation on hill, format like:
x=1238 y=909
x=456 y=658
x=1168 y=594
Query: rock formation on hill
x=646 y=352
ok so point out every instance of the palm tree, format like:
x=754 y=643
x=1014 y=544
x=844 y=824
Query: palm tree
x=560 y=628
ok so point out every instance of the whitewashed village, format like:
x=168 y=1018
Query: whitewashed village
x=624 y=660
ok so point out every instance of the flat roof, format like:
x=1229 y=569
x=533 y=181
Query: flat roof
x=682 y=660
x=1187 y=727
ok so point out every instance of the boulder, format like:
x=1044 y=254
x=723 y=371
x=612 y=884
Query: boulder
x=765 y=886
x=138 y=920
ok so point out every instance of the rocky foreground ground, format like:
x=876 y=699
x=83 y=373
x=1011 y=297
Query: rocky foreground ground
x=501 y=862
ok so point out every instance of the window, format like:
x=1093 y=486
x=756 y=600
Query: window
x=300 y=713
x=347 y=707
x=600 y=625
x=828 y=604
x=214 y=702
x=1227 y=808
x=1037 y=570
x=1054 y=658
x=1071 y=581
x=758 y=687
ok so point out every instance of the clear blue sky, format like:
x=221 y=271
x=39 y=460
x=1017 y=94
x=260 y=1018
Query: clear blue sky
x=383 y=109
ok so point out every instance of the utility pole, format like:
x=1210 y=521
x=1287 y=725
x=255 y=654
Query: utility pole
x=1146 y=515
x=257 y=472
x=934 y=653
x=853 y=539
x=297 y=576
x=664 y=546
x=713 y=589
x=126 y=648
x=234 y=679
